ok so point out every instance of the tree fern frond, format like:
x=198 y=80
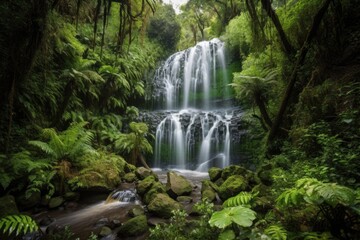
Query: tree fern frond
x=20 y=224
x=242 y=199
x=276 y=232
x=43 y=146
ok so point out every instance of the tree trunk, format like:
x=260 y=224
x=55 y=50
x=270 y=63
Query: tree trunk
x=300 y=61
x=274 y=18
x=264 y=114
x=143 y=162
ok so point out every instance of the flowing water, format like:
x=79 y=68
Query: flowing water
x=194 y=134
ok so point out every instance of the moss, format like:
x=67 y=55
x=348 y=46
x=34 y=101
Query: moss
x=145 y=185
x=232 y=186
x=214 y=173
x=233 y=170
x=162 y=205
x=134 y=227
x=8 y=206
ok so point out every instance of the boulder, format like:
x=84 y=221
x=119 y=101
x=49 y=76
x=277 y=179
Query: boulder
x=156 y=188
x=208 y=190
x=134 y=227
x=31 y=201
x=215 y=173
x=177 y=185
x=129 y=168
x=232 y=186
x=145 y=185
x=71 y=196
x=8 y=206
x=142 y=173
x=105 y=231
x=162 y=205
x=56 y=202
x=233 y=170
x=219 y=182
x=136 y=211
x=129 y=177
x=184 y=199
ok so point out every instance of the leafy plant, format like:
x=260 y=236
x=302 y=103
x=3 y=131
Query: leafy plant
x=242 y=199
x=67 y=145
x=135 y=142
x=276 y=232
x=239 y=215
x=18 y=224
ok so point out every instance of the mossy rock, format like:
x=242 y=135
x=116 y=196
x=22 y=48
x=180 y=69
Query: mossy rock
x=184 y=199
x=26 y=203
x=56 y=202
x=262 y=205
x=129 y=177
x=219 y=182
x=72 y=196
x=136 y=211
x=8 y=206
x=215 y=173
x=233 y=170
x=209 y=194
x=162 y=205
x=144 y=185
x=129 y=168
x=263 y=190
x=232 y=186
x=142 y=173
x=177 y=185
x=156 y=188
x=134 y=227
x=105 y=231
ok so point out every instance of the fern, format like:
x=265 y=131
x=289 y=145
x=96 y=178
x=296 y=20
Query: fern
x=18 y=224
x=276 y=232
x=242 y=199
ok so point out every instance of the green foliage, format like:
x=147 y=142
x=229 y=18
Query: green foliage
x=164 y=28
x=104 y=170
x=239 y=215
x=135 y=142
x=276 y=232
x=18 y=224
x=67 y=145
x=312 y=191
x=242 y=199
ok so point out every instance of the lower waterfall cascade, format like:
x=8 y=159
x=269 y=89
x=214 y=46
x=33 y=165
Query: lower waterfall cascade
x=196 y=127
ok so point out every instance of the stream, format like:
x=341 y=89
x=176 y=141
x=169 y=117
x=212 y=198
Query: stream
x=95 y=210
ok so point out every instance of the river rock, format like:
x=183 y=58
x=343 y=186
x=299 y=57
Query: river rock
x=156 y=188
x=105 y=231
x=215 y=173
x=232 y=186
x=143 y=173
x=8 y=206
x=129 y=177
x=162 y=205
x=136 y=211
x=71 y=196
x=233 y=170
x=184 y=199
x=134 y=227
x=31 y=201
x=144 y=185
x=177 y=185
x=56 y=202
x=208 y=190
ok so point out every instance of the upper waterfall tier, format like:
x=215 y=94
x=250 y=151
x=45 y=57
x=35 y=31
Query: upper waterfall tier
x=193 y=77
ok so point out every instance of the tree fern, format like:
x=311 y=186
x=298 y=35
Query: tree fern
x=276 y=232
x=18 y=224
x=242 y=199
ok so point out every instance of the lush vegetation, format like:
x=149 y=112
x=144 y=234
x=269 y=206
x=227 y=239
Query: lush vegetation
x=74 y=73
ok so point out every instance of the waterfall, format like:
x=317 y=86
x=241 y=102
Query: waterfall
x=194 y=134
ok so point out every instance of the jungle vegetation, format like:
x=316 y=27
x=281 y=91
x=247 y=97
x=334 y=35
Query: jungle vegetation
x=74 y=73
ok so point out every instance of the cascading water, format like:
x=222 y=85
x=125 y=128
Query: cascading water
x=194 y=134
